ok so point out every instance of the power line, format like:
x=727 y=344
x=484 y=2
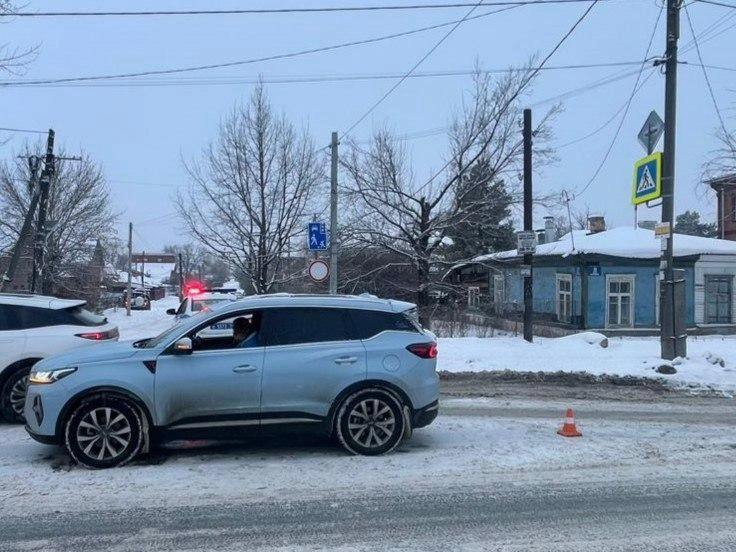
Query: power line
x=626 y=110
x=416 y=66
x=309 y=79
x=23 y=130
x=705 y=72
x=266 y=11
x=513 y=97
x=717 y=3
x=273 y=57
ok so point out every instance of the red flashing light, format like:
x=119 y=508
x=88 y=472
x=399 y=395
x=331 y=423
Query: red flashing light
x=193 y=287
x=423 y=350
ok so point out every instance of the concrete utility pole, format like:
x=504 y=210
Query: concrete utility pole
x=39 y=246
x=672 y=315
x=334 y=245
x=143 y=271
x=528 y=287
x=130 y=269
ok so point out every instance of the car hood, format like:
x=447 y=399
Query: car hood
x=96 y=352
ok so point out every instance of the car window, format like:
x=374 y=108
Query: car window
x=368 y=323
x=206 y=304
x=82 y=317
x=288 y=326
x=8 y=318
x=24 y=318
x=239 y=330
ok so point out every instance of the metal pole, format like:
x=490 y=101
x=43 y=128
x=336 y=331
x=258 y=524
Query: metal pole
x=334 y=245
x=130 y=269
x=672 y=337
x=528 y=283
x=181 y=279
x=39 y=246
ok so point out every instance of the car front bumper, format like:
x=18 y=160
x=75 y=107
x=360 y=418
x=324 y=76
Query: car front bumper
x=42 y=409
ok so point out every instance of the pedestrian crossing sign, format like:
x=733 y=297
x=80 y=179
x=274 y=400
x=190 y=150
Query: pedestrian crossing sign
x=647 y=179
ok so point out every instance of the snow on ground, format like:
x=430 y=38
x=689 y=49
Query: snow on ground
x=143 y=323
x=624 y=356
x=471 y=451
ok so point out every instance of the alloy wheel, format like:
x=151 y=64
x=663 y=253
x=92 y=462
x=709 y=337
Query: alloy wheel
x=371 y=423
x=18 y=395
x=104 y=433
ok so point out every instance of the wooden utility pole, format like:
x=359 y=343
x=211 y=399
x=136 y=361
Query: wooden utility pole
x=528 y=257
x=334 y=244
x=39 y=245
x=181 y=279
x=130 y=269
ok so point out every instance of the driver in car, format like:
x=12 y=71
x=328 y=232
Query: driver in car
x=245 y=333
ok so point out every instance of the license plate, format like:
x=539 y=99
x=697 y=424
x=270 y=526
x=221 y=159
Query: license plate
x=222 y=326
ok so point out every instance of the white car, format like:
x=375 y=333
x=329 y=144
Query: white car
x=204 y=300
x=34 y=327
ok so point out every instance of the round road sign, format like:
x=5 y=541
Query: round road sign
x=319 y=270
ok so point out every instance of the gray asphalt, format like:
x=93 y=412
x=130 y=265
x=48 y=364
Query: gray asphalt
x=678 y=515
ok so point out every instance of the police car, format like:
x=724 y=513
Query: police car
x=203 y=299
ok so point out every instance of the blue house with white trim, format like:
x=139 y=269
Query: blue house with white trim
x=607 y=280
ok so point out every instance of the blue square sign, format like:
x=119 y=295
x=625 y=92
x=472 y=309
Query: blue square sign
x=318 y=236
x=647 y=179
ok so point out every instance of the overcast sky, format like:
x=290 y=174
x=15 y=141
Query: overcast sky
x=140 y=134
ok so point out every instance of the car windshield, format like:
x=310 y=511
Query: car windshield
x=169 y=333
x=207 y=304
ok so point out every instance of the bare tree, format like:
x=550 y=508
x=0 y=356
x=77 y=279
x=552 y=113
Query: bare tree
x=78 y=213
x=252 y=191
x=13 y=59
x=414 y=220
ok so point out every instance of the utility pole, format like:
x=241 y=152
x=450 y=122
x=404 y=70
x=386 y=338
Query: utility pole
x=130 y=269
x=181 y=279
x=528 y=287
x=143 y=271
x=672 y=337
x=334 y=245
x=39 y=246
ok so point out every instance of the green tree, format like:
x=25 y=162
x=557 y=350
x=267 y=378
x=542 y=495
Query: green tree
x=689 y=223
x=487 y=203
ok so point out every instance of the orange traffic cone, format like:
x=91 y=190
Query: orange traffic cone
x=568 y=428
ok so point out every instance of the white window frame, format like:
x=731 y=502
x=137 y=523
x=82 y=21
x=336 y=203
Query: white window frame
x=563 y=277
x=473 y=296
x=631 y=278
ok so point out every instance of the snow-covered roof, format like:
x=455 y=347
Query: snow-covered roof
x=624 y=241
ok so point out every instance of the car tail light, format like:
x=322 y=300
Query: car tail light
x=423 y=350
x=100 y=336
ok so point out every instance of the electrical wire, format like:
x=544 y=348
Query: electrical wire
x=266 y=11
x=717 y=3
x=705 y=72
x=3 y=129
x=626 y=110
x=414 y=67
x=272 y=57
x=516 y=94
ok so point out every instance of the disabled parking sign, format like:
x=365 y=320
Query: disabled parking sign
x=647 y=179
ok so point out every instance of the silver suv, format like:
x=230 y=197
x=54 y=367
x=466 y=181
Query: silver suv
x=360 y=369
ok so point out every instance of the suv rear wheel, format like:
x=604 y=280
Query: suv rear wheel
x=370 y=422
x=13 y=395
x=104 y=432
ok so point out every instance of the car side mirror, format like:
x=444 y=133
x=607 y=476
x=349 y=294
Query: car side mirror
x=172 y=312
x=183 y=346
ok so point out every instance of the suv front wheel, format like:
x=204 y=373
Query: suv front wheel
x=13 y=395
x=104 y=432
x=370 y=422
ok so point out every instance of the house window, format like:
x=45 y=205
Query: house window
x=718 y=297
x=620 y=301
x=564 y=297
x=473 y=296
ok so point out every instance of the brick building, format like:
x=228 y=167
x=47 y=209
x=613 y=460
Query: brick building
x=725 y=188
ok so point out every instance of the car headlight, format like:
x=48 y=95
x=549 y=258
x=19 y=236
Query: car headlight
x=50 y=376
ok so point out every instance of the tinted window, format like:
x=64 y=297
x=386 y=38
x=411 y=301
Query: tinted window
x=305 y=325
x=8 y=318
x=33 y=317
x=83 y=317
x=369 y=323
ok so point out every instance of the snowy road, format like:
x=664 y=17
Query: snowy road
x=489 y=474
x=682 y=515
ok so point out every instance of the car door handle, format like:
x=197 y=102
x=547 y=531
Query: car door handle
x=346 y=360
x=244 y=369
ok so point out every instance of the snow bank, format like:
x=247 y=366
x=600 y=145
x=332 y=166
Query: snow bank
x=624 y=356
x=141 y=324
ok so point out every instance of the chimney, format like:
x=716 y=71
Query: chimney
x=596 y=223
x=550 y=231
x=541 y=237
